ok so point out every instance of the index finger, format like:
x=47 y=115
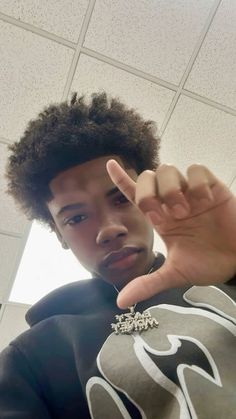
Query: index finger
x=121 y=179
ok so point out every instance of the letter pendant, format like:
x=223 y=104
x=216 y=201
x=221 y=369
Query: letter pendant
x=128 y=323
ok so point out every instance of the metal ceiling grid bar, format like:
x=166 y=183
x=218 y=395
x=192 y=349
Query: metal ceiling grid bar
x=78 y=49
x=37 y=31
x=190 y=64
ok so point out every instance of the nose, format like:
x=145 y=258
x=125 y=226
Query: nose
x=109 y=231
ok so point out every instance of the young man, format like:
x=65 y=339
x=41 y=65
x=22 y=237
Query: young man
x=91 y=173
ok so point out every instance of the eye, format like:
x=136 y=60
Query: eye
x=121 y=199
x=76 y=219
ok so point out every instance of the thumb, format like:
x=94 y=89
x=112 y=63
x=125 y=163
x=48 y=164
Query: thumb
x=146 y=286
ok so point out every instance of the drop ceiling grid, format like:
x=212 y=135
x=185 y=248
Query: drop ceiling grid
x=62 y=18
x=15 y=250
x=116 y=63
x=149 y=98
x=217 y=53
x=150 y=37
x=9 y=249
x=12 y=322
x=126 y=62
x=199 y=133
x=28 y=80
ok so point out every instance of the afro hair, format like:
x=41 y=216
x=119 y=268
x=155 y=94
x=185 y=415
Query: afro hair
x=71 y=133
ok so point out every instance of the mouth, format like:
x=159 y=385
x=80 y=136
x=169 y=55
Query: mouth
x=123 y=258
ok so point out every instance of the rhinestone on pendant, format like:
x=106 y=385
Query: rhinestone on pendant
x=128 y=323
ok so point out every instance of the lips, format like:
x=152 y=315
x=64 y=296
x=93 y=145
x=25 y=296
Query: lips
x=119 y=255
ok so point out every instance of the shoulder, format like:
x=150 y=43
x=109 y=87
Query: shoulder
x=59 y=301
x=74 y=298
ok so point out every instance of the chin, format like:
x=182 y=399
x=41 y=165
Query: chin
x=121 y=274
x=121 y=279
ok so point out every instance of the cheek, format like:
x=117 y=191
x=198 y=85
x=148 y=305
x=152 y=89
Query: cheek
x=81 y=242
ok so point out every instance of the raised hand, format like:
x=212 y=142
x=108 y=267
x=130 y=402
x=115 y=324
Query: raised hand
x=196 y=218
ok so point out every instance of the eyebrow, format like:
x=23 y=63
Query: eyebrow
x=70 y=207
x=79 y=205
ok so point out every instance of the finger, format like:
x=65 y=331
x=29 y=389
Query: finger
x=146 y=186
x=146 y=196
x=121 y=179
x=205 y=189
x=147 y=286
x=200 y=181
x=172 y=186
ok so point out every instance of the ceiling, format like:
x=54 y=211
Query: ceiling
x=172 y=60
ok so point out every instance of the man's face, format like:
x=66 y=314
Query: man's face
x=109 y=236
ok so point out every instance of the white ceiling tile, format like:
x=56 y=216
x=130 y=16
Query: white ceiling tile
x=33 y=74
x=155 y=36
x=213 y=74
x=9 y=247
x=63 y=18
x=198 y=133
x=11 y=218
x=146 y=97
x=12 y=323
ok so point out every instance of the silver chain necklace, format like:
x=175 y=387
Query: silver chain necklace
x=133 y=321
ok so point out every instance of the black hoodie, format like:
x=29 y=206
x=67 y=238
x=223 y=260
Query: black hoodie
x=70 y=364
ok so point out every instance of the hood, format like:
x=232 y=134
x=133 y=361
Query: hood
x=76 y=298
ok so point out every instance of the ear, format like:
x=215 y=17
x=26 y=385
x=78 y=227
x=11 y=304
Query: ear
x=58 y=234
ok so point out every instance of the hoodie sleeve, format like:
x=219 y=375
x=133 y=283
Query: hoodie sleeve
x=19 y=393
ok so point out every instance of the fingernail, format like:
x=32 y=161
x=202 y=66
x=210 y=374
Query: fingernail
x=121 y=304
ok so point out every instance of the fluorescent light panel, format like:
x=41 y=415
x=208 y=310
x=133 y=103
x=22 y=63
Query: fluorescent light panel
x=44 y=266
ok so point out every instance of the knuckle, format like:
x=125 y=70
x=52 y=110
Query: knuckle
x=145 y=174
x=196 y=167
x=165 y=167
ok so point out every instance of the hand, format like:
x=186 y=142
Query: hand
x=195 y=217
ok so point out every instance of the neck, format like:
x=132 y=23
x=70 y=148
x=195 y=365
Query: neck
x=149 y=271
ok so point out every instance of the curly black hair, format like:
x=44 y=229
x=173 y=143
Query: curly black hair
x=71 y=133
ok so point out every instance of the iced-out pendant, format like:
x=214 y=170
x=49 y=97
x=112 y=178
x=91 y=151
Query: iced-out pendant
x=128 y=323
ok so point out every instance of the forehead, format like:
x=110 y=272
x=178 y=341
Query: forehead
x=88 y=177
